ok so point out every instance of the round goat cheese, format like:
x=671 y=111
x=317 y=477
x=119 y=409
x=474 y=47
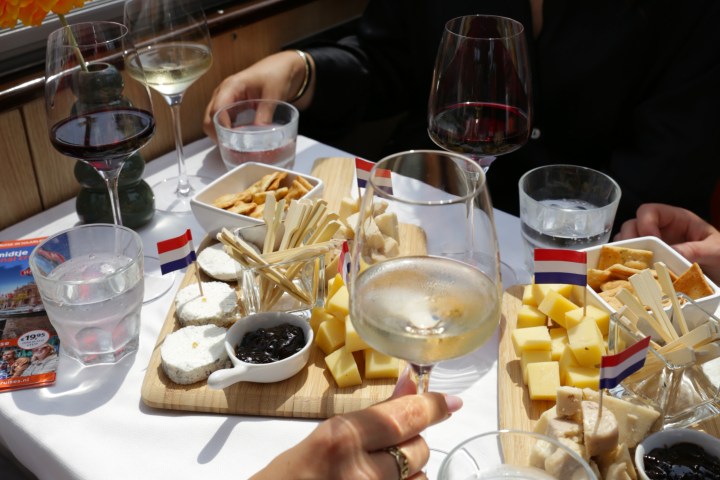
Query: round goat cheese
x=192 y=353
x=215 y=262
x=218 y=305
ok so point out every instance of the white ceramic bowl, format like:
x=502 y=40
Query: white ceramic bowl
x=665 y=438
x=213 y=219
x=662 y=252
x=261 y=372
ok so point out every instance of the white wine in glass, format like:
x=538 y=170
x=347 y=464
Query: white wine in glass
x=442 y=304
x=173 y=45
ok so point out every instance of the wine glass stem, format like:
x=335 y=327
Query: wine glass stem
x=183 y=188
x=112 y=178
x=422 y=373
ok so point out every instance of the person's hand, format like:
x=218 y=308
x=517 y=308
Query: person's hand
x=353 y=445
x=276 y=77
x=692 y=237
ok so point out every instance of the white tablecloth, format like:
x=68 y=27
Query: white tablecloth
x=92 y=424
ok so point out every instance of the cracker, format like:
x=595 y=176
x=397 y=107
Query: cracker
x=242 y=208
x=620 y=271
x=610 y=255
x=616 y=284
x=596 y=277
x=693 y=283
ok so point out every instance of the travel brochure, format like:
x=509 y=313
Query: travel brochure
x=29 y=344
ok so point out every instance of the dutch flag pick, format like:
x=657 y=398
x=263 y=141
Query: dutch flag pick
x=344 y=262
x=176 y=253
x=560 y=266
x=382 y=175
x=613 y=368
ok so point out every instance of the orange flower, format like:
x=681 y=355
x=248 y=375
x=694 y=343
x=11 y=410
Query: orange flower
x=33 y=12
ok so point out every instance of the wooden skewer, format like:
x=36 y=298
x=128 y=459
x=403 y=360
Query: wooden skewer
x=639 y=311
x=653 y=299
x=667 y=286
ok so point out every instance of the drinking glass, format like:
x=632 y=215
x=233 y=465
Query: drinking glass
x=173 y=50
x=93 y=115
x=480 y=99
x=90 y=278
x=441 y=304
x=513 y=454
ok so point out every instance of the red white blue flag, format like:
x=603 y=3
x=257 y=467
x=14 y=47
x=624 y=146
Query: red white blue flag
x=381 y=177
x=344 y=262
x=614 y=368
x=560 y=266
x=176 y=253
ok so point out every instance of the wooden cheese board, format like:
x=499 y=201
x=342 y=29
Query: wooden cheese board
x=312 y=393
x=515 y=409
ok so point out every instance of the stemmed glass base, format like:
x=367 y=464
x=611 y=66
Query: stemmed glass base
x=169 y=199
x=156 y=284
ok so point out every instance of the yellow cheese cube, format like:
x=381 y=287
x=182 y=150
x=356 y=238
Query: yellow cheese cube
x=317 y=316
x=586 y=343
x=558 y=340
x=334 y=285
x=540 y=290
x=529 y=316
x=530 y=338
x=583 y=377
x=600 y=316
x=567 y=360
x=339 y=304
x=379 y=365
x=343 y=368
x=528 y=298
x=532 y=356
x=331 y=335
x=543 y=380
x=348 y=206
x=353 y=341
x=555 y=306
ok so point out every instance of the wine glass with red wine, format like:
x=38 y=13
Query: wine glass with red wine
x=94 y=113
x=480 y=100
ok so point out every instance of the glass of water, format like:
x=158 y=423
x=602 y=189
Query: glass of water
x=566 y=206
x=90 y=279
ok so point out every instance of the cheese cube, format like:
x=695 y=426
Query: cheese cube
x=348 y=206
x=334 y=285
x=568 y=401
x=529 y=316
x=532 y=356
x=353 y=341
x=530 y=338
x=317 y=316
x=343 y=368
x=582 y=377
x=540 y=290
x=586 y=342
x=567 y=359
x=379 y=365
x=558 y=340
x=543 y=380
x=331 y=335
x=600 y=316
x=527 y=297
x=555 y=306
x=636 y=420
x=339 y=304
x=387 y=222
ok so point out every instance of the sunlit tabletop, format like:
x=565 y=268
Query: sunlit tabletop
x=92 y=424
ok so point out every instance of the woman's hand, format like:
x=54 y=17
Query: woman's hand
x=694 y=238
x=353 y=445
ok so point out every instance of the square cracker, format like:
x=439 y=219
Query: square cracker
x=611 y=254
x=693 y=283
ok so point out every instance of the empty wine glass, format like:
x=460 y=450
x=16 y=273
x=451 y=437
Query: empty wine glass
x=173 y=46
x=480 y=99
x=436 y=306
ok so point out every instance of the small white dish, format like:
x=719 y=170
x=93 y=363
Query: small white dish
x=213 y=219
x=666 y=438
x=261 y=372
x=662 y=252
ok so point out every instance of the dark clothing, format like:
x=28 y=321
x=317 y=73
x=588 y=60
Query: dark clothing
x=629 y=87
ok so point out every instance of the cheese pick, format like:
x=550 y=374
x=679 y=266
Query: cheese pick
x=669 y=290
x=652 y=297
x=269 y=217
x=292 y=220
x=639 y=311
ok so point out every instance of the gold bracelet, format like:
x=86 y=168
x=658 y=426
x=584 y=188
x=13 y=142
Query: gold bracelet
x=308 y=76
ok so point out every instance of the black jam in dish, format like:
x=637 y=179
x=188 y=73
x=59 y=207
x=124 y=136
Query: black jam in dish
x=267 y=345
x=682 y=461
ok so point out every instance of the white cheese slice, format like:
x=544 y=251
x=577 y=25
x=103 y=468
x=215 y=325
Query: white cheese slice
x=636 y=420
x=192 y=353
x=217 y=306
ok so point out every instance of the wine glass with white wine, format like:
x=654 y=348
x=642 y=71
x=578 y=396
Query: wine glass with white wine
x=173 y=45
x=443 y=301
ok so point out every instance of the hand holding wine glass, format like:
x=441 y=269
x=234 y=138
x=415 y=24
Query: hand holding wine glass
x=438 y=306
x=480 y=100
x=173 y=45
